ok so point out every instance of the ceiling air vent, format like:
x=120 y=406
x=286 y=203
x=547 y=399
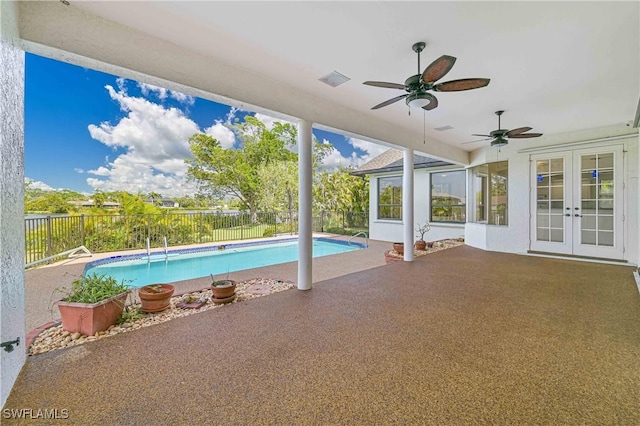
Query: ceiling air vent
x=334 y=79
x=443 y=128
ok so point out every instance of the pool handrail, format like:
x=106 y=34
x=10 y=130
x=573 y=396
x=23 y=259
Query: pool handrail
x=366 y=238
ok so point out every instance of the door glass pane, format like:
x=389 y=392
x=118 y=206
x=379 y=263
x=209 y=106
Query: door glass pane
x=589 y=237
x=557 y=180
x=542 y=166
x=605 y=161
x=557 y=235
x=543 y=234
x=557 y=193
x=605 y=223
x=588 y=162
x=543 y=220
x=605 y=238
x=543 y=193
x=557 y=165
x=588 y=222
x=557 y=221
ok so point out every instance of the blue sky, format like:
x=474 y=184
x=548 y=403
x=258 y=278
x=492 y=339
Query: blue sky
x=86 y=130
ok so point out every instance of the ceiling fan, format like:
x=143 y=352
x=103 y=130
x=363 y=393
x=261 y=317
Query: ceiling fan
x=500 y=136
x=418 y=86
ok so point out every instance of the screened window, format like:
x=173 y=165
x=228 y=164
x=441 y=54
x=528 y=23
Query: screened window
x=490 y=201
x=390 y=198
x=448 y=196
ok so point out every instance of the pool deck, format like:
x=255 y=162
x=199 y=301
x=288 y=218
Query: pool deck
x=42 y=282
x=458 y=337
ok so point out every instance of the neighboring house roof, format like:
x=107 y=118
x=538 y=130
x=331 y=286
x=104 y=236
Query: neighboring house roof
x=392 y=160
x=91 y=203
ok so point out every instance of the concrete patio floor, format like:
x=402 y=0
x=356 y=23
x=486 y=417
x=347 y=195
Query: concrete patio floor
x=41 y=283
x=461 y=336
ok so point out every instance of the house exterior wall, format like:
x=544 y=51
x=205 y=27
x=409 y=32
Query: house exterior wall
x=515 y=237
x=12 y=303
x=391 y=230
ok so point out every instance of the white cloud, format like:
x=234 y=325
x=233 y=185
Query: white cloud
x=222 y=134
x=363 y=151
x=78 y=170
x=36 y=184
x=156 y=142
x=163 y=93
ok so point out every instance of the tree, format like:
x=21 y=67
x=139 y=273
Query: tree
x=340 y=191
x=221 y=172
x=280 y=186
x=155 y=198
x=99 y=198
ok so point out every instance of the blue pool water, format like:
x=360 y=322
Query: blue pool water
x=139 y=270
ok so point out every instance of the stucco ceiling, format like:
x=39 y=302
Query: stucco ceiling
x=555 y=66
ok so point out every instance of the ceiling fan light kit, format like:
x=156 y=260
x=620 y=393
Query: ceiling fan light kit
x=418 y=86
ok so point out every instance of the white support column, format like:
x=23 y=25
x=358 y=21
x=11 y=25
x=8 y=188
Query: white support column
x=12 y=303
x=407 y=203
x=305 y=213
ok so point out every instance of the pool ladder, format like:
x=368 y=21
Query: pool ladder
x=166 y=249
x=366 y=238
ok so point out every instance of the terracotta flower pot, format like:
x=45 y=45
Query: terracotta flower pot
x=224 y=289
x=155 y=297
x=399 y=247
x=90 y=318
x=421 y=245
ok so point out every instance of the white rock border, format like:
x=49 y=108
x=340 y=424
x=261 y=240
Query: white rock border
x=56 y=338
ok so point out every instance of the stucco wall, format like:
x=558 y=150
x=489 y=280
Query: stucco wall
x=387 y=230
x=12 y=314
x=515 y=237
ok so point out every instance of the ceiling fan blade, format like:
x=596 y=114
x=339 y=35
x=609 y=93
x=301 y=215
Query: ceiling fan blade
x=517 y=131
x=479 y=140
x=463 y=84
x=526 y=135
x=438 y=68
x=486 y=136
x=390 y=101
x=433 y=102
x=385 y=84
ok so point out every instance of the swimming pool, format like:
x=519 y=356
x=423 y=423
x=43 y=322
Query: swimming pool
x=176 y=265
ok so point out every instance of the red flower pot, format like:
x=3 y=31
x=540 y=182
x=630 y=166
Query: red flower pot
x=223 y=289
x=90 y=318
x=155 y=297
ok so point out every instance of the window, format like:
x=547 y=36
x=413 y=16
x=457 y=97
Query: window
x=489 y=189
x=390 y=198
x=448 y=196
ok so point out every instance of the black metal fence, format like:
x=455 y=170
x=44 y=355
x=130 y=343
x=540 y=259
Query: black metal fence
x=51 y=235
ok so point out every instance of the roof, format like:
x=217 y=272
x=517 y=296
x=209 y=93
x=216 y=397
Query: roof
x=392 y=160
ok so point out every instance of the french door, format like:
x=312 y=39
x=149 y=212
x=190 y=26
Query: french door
x=577 y=202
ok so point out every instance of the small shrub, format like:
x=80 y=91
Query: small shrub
x=94 y=288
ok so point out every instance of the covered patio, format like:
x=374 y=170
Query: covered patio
x=460 y=336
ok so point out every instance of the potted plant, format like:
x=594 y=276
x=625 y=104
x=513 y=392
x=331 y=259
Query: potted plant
x=398 y=248
x=94 y=303
x=155 y=297
x=223 y=290
x=421 y=230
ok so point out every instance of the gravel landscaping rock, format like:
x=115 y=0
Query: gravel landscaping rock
x=56 y=338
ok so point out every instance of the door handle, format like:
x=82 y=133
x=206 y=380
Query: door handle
x=568 y=214
x=577 y=215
